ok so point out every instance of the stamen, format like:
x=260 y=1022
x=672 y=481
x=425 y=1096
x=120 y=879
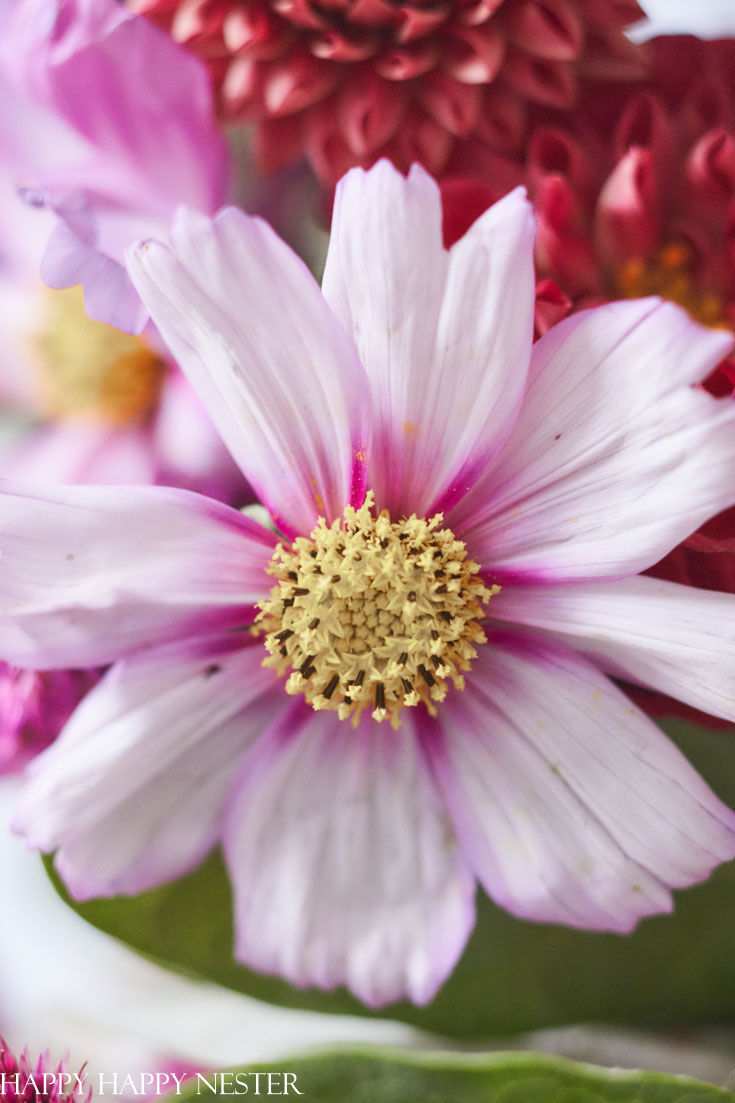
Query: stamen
x=330 y=688
x=383 y=624
x=379 y=711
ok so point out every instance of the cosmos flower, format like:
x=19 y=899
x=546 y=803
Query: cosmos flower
x=404 y=688
x=111 y=128
x=345 y=83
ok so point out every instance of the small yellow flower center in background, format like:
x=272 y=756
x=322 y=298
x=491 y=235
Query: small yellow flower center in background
x=92 y=370
x=671 y=275
x=372 y=614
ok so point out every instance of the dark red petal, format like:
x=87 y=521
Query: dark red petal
x=550 y=29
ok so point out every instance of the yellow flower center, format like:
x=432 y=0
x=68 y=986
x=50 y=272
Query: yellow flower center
x=88 y=369
x=370 y=613
x=671 y=274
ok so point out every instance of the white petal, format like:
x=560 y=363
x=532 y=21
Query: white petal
x=445 y=337
x=570 y=804
x=614 y=458
x=344 y=866
x=281 y=380
x=134 y=790
x=675 y=639
x=93 y=573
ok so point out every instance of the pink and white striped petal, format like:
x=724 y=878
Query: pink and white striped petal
x=343 y=861
x=615 y=457
x=445 y=337
x=90 y=574
x=675 y=639
x=571 y=805
x=171 y=728
x=281 y=380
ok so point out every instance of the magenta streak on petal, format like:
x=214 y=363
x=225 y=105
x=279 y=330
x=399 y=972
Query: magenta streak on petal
x=358 y=485
x=461 y=485
x=509 y=577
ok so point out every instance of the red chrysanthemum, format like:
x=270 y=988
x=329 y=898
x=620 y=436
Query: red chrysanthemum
x=348 y=81
x=633 y=197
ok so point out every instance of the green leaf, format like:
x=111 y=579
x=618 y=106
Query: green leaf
x=390 y=1076
x=514 y=975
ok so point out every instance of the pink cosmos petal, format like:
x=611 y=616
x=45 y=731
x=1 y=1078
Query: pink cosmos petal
x=171 y=728
x=570 y=804
x=90 y=574
x=445 y=337
x=145 y=102
x=108 y=294
x=282 y=382
x=208 y=468
x=344 y=866
x=129 y=115
x=81 y=452
x=37 y=34
x=676 y=639
x=614 y=458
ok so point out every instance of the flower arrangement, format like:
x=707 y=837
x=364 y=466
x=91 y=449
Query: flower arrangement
x=384 y=560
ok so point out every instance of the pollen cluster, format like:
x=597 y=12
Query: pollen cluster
x=372 y=614
x=672 y=275
x=92 y=370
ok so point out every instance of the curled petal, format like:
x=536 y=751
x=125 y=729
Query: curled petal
x=628 y=221
x=473 y=55
x=454 y=106
x=545 y=82
x=370 y=113
x=550 y=29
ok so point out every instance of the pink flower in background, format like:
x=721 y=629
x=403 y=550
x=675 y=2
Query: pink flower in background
x=34 y=706
x=111 y=129
x=407 y=690
x=82 y=401
x=345 y=83
x=96 y=405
